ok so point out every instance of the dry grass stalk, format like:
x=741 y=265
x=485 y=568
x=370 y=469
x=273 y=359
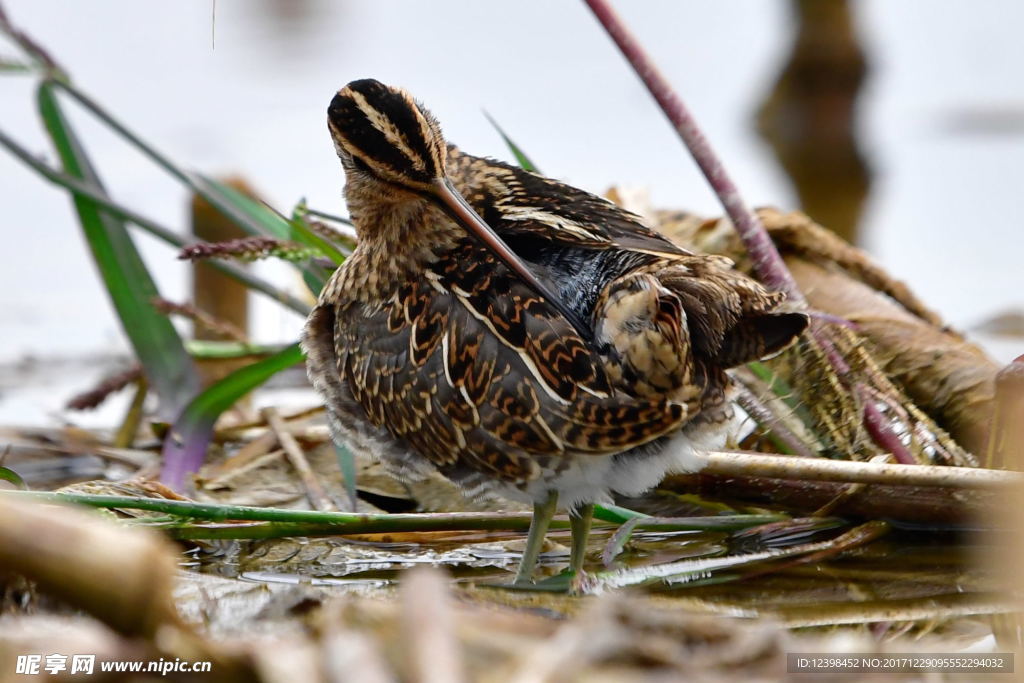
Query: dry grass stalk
x=314 y=490
x=88 y=400
x=851 y=471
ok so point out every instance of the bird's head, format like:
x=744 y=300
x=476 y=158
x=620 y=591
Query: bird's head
x=387 y=138
x=382 y=131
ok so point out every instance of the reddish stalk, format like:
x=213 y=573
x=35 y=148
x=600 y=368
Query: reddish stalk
x=30 y=46
x=880 y=428
x=767 y=261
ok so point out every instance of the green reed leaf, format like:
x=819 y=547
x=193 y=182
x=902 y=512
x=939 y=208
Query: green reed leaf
x=521 y=158
x=156 y=343
x=7 y=474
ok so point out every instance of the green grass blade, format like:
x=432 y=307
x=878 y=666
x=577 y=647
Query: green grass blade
x=167 y=365
x=248 y=214
x=81 y=189
x=521 y=158
x=615 y=514
x=7 y=474
x=186 y=444
x=316 y=213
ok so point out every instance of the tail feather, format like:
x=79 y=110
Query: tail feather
x=757 y=337
x=674 y=329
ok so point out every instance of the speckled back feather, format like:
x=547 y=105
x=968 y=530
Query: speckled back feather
x=693 y=316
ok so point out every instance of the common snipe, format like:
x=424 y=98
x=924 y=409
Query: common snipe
x=517 y=334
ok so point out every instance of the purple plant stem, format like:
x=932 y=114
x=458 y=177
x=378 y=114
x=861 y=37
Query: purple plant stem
x=880 y=430
x=30 y=46
x=184 y=455
x=767 y=261
x=835 y=359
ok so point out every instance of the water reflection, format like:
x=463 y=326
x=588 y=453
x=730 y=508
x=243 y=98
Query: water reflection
x=808 y=118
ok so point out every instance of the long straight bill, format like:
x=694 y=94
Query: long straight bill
x=475 y=225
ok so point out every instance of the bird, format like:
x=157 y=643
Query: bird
x=519 y=336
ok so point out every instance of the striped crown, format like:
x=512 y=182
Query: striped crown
x=384 y=131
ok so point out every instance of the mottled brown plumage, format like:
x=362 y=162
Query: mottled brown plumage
x=576 y=353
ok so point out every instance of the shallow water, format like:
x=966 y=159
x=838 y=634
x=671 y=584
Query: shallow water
x=905 y=574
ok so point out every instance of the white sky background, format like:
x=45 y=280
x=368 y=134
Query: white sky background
x=945 y=212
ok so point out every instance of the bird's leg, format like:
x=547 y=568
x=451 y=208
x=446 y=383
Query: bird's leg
x=542 y=514
x=579 y=524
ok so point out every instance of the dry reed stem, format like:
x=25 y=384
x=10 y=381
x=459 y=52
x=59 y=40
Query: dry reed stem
x=850 y=471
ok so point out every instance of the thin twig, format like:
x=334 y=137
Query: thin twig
x=211 y=323
x=241 y=459
x=125 y=436
x=931 y=505
x=314 y=491
x=238 y=431
x=688 y=570
x=767 y=261
x=854 y=538
x=942 y=608
x=91 y=399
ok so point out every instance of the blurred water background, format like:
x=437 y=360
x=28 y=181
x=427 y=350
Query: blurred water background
x=939 y=129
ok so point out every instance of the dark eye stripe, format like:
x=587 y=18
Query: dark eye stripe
x=351 y=123
x=355 y=125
